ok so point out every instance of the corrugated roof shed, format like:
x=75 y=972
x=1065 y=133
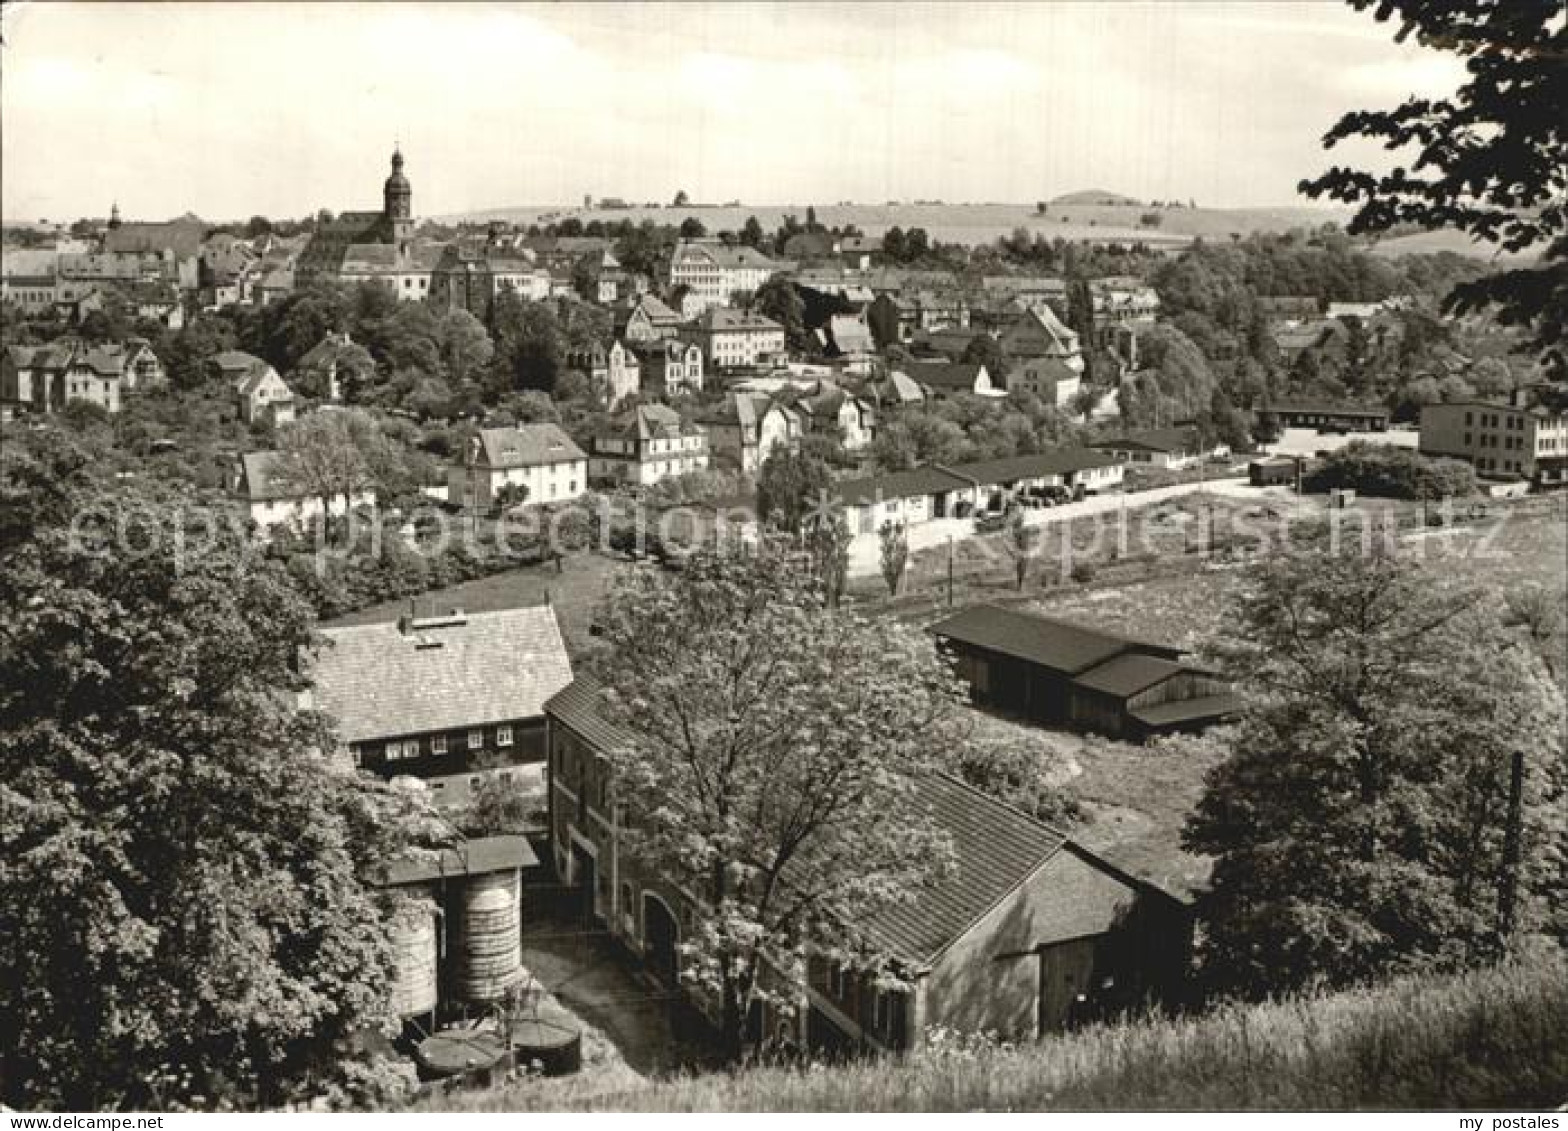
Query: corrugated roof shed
x=380 y=681
x=1055 y=644
x=1128 y=674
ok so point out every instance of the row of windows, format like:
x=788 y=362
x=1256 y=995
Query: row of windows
x=1497 y=420
x=403 y=749
x=1490 y=441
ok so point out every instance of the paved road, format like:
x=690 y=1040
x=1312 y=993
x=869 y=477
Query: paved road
x=865 y=552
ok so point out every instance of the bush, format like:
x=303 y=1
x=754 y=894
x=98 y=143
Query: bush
x=1384 y=471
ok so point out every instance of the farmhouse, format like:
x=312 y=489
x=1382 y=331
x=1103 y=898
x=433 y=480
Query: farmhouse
x=1026 y=923
x=1061 y=673
x=444 y=698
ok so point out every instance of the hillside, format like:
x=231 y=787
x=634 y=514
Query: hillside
x=964 y=223
x=1096 y=196
x=1489 y=1040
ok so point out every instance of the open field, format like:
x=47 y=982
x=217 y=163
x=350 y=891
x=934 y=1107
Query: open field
x=1486 y=1040
x=964 y=223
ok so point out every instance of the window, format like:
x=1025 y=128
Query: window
x=438 y=744
x=503 y=736
x=356 y=753
x=476 y=739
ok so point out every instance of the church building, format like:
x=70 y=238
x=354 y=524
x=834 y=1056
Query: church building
x=363 y=246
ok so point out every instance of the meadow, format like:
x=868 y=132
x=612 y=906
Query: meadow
x=1490 y=1039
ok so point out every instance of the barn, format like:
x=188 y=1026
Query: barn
x=1065 y=674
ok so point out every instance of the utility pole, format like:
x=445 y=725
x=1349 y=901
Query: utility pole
x=950 y=571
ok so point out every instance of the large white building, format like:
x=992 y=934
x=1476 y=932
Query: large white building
x=539 y=457
x=1500 y=440
x=736 y=339
x=711 y=272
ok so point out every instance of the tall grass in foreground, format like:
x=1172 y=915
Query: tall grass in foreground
x=1490 y=1039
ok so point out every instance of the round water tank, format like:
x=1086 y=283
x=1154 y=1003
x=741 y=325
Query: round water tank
x=414 y=940
x=491 y=924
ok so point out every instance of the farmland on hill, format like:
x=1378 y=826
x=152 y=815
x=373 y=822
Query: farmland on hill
x=965 y=223
x=1489 y=1040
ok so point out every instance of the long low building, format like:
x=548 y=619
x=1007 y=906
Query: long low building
x=934 y=491
x=1066 y=674
x=1026 y=927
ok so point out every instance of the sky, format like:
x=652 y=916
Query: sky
x=229 y=110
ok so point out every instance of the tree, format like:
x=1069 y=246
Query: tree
x=1359 y=823
x=1022 y=543
x=790 y=487
x=827 y=541
x=692 y=229
x=752 y=234
x=183 y=919
x=773 y=757
x=893 y=244
x=331 y=455
x=681 y=199
x=1488 y=160
x=894 y=555
x=778 y=299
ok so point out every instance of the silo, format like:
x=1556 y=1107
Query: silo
x=491 y=924
x=414 y=940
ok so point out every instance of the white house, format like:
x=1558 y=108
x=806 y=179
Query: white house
x=271 y=501
x=539 y=457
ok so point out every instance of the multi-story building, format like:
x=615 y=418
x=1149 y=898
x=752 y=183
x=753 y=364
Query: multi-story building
x=647 y=444
x=470 y=275
x=346 y=239
x=670 y=366
x=446 y=699
x=711 y=272
x=748 y=427
x=615 y=373
x=1038 y=332
x=260 y=393
x=1049 y=378
x=538 y=457
x=735 y=339
x=43 y=379
x=1501 y=440
x=649 y=320
x=831 y=412
x=273 y=499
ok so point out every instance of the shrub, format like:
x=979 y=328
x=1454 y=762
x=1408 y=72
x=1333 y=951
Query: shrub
x=1384 y=471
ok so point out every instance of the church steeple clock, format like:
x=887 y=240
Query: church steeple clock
x=397 y=197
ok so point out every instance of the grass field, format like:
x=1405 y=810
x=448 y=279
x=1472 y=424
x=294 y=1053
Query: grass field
x=1490 y=1040
x=966 y=223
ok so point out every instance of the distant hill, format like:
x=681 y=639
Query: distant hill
x=1096 y=196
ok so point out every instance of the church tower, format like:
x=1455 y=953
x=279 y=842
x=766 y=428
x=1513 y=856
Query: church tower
x=397 y=197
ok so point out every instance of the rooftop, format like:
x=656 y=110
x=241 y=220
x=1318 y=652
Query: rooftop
x=411 y=677
x=527 y=445
x=1056 y=644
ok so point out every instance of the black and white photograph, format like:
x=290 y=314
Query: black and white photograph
x=799 y=556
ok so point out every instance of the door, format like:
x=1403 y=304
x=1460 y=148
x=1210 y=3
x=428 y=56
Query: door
x=662 y=935
x=586 y=869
